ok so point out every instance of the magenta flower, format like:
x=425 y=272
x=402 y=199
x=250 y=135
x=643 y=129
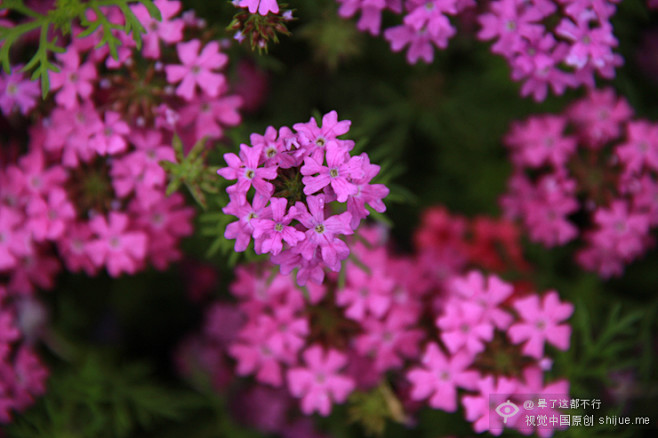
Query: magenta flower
x=371 y=13
x=480 y=408
x=255 y=352
x=210 y=115
x=540 y=140
x=620 y=231
x=338 y=173
x=541 y=323
x=245 y=169
x=274 y=231
x=315 y=138
x=73 y=80
x=242 y=229
x=34 y=175
x=511 y=24
x=389 y=341
x=14 y=239
x=439 y=377
x=463 y=325
x=50 y=217
x=488 y=292
x=319 y=384
x=419 y=41
x=197 y=69
x=641 y=149
x=600 y=116
x=168 y=30
x=116 y=247
x=322 y=232
x=589 y=45
x=262 y=6
x=17 y=92
x=112 y=137
x=365 y=293
x=37 y=270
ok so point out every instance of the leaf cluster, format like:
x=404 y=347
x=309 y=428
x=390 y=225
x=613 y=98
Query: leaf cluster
x=191 y=171
x=57 y=22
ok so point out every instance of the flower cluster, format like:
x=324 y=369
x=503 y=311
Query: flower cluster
x=589 y=173
x=259 y=23
x=461 y=243
x=22 y=375
x=289 y=188
x=91 y=186
x=440 y=342
x=546 y=44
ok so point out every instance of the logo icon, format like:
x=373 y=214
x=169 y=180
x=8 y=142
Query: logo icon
x=507 y=409
x=529 y=405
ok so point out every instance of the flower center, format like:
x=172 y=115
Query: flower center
x=320 y=141
x=319 y=228
x=249 y=174
x=333 y=173
x=278 y=227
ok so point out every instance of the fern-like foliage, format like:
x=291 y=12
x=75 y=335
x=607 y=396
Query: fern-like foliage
x=95 y=398
x=88 y=14
x=191 y=170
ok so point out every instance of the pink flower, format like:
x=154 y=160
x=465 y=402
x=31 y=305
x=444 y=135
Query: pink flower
x=165 y=222
x=315 y=138
x=371 y=13
x=540 y=140
x=211 y=115
x=338 y=173
x=389 y=341
x=255 y=352
x=14 y=239
x=111 y=139
x=511 y=23
x=262 y=6
x=322 y=232
x=33 y=271
x=242 y=229
x=589 y=45
x=73 y=80
x=197 y=69
x=168 y=30
x=620 y=231
x=116 y=246
x=641 y=148
x=440 y=375
x=274 y=231
x=365 y=292
x=463 y=325
x=541 y=323
x=49 y=218
x=73 y=248
x=599 y=116
x=480 y=408
x=75 y=129
x=319 y=384
x=419 y=41
x=17 y=92
x=245 y=169
x=488 y=292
